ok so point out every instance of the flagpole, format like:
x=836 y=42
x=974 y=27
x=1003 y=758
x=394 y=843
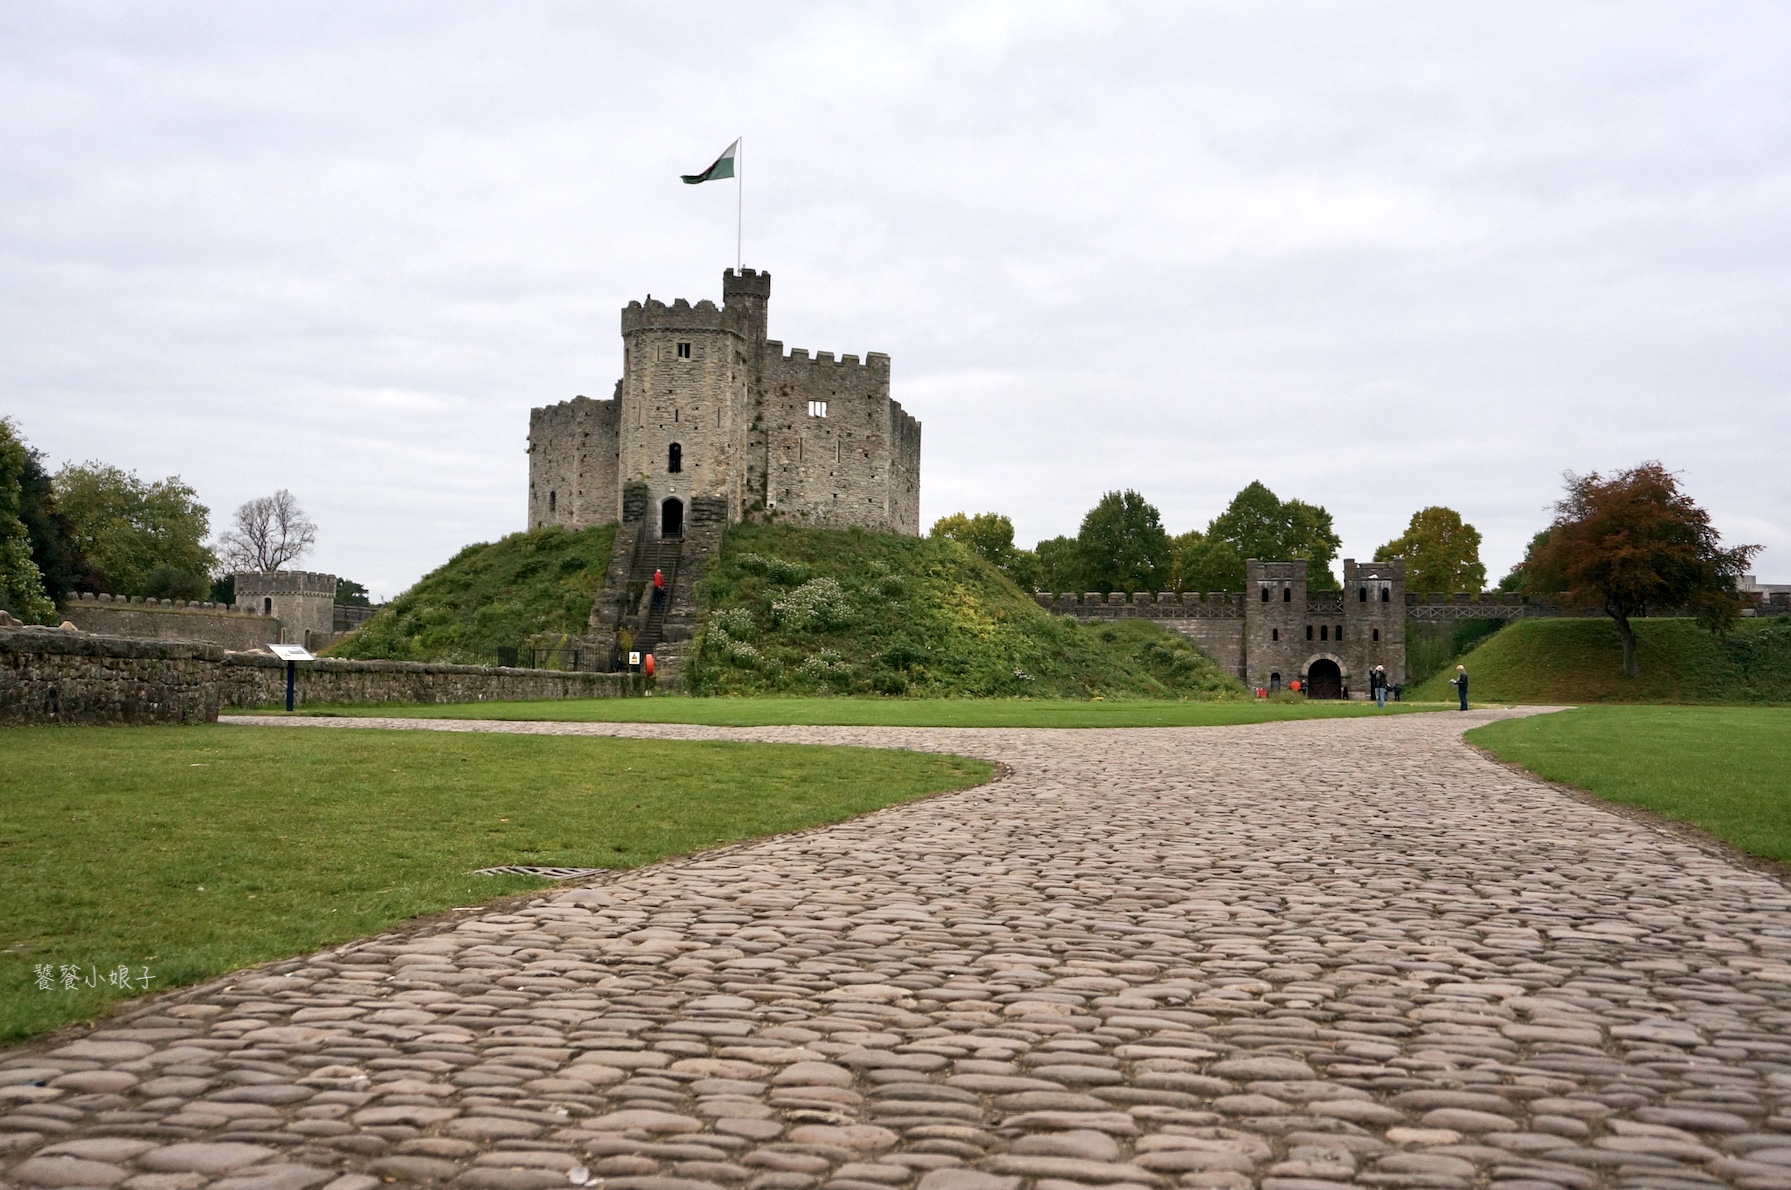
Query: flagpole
x=739 y=208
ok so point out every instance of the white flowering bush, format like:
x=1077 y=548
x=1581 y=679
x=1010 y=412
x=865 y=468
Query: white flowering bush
x=819 y=604
x=736 y=622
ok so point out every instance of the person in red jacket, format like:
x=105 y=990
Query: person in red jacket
x=658 y=588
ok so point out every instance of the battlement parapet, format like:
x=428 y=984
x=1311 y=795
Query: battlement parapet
x=1155 y=605
x=654 y=315
x=874 y=361
x=285 y=582
x=189 y=606
x=746 y=283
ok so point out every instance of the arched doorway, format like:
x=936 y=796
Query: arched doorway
x=1324 y=679
x=671 y=518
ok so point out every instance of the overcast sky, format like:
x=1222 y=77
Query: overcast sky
x=1378 y=256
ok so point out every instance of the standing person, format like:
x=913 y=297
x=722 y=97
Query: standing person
x=1378 y=682
x=1460 y=682
x=658 y=587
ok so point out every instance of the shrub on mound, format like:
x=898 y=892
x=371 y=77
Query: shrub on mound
x=490 y=596
x=813 y=611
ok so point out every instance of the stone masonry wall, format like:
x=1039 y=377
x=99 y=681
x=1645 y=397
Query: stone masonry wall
x=259 y=680
x=214 y=623
x=834 y=443
x=57 y=676
x=572 y=463
x=683 y=383
x=52 y=675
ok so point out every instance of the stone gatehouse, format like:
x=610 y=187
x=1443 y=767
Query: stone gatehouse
x=709 y=408
x=1277 y=630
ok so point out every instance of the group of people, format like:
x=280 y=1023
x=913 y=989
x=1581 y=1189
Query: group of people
x=1378 y=686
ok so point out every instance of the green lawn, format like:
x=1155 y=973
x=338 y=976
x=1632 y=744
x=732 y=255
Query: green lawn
x=1725 y=769
x=192 y=851
x=879 y=712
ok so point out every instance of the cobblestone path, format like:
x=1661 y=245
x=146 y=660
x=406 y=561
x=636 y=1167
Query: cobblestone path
x=1293 y=955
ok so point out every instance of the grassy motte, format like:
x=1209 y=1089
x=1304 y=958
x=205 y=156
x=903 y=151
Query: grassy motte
x=1725 y=769
x=1579 y=661
x=879 y=712
x=490 y=596
x=193 y=851
x=812 y=611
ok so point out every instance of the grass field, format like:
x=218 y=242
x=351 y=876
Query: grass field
x=879 y=712
x=192 y=851
x=1575 y=662
x=1725 y=769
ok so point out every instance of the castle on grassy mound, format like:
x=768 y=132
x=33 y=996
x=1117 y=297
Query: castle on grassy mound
x=710 y=410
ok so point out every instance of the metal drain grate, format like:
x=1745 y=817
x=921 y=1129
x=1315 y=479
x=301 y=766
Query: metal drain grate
x=532 y=870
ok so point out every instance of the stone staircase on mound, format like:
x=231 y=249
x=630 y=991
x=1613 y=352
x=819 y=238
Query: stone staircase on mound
x=625 y=617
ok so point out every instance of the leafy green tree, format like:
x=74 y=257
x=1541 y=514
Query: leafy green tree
x=128 y=529
x=1123 y=544
x=1635 y=543
x=990 y=535
x=348 y=593
x=1060 y=565
x=1258 y=524
x=1441 y=552
x=21 y=582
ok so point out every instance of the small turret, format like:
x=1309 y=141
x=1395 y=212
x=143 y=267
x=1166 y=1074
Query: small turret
x=747 y=295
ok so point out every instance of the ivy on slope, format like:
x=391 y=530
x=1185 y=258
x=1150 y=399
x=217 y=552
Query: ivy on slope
x=814 y=611
x=489 y=596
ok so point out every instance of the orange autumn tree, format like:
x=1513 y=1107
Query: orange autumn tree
x=1635 y=543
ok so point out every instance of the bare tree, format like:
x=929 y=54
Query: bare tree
x=270 y=532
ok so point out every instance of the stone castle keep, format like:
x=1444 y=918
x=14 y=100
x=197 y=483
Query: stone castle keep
x=708 y=408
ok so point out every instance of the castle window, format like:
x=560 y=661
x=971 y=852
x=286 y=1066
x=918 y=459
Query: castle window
x=1377 y=634
x=677 y=416
x=1323 y=632
x=1308 y=632
x=1338 y=635
x=683 y=351
x=1386 y=594
x=1286 y=594
x=817 y=408
x=674 y=458
x=267 y=607
x=1362 y=595
x=1265 y=594
x=553 y=499
x=1274 y=634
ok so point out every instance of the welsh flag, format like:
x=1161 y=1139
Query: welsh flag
x=723 y=167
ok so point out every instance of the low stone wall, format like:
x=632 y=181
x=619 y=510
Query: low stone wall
x=53 y=675
x=169 y=619
x=259 y=680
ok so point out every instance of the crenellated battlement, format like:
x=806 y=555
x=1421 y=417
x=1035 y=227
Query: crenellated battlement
x=874 y=361
x=653 y=315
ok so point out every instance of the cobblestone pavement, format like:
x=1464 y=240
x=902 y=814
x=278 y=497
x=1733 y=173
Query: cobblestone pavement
x=1292 y=955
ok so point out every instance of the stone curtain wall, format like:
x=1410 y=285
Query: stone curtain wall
x=1214 y=622
x=259 y=680
x=215 y=623
x=572 y=463
x=51 y=675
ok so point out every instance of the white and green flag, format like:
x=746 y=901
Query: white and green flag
x=723 y=167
